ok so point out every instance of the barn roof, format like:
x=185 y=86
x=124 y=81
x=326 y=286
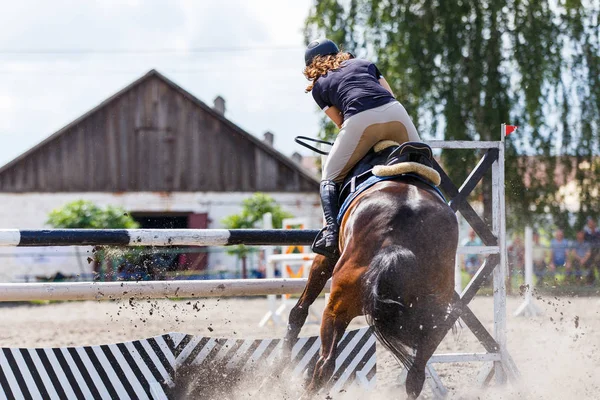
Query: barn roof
x=306 y=179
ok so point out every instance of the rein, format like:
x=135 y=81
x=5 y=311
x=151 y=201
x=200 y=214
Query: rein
x=301 y=141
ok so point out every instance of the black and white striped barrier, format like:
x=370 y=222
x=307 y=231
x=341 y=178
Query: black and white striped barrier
x=174 y=365
x=155 y=237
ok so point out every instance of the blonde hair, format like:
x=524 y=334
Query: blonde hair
x=321 y=65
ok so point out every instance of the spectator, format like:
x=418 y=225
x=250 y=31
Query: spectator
x=559 y=248
x=590 y=228
x=472 y=262
x=592 y=236
x=581 y=253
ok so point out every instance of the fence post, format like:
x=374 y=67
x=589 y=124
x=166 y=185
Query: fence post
x=270 y=274
x=528 y=308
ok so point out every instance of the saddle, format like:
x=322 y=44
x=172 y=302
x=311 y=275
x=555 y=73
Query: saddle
x=389 y=161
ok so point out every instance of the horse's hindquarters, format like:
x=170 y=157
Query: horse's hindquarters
x=407 y=237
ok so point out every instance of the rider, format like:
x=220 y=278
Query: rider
x=357 y=98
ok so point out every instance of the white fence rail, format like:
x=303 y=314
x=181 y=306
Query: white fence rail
x=149 y=289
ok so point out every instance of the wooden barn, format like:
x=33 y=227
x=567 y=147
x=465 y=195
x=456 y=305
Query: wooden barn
x=162 y=154
x=153 y=136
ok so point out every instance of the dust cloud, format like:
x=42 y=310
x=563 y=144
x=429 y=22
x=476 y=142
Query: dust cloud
x=557 y=352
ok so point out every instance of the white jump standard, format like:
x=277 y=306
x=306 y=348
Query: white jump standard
x=499 y=361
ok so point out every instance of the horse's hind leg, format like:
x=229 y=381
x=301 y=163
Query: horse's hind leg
x=416 y=375
x=320 y=272
x=415 y=380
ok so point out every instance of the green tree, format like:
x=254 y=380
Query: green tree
x=83 y=214
x=463 y=68
x=253 y=209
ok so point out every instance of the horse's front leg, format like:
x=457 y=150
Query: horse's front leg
x=320 y=272
x=345 y=303
x=334 y=324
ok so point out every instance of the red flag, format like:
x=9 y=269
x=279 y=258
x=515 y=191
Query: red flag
x=510 y=129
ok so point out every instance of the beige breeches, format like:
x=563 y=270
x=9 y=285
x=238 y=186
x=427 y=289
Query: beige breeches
x=362 y=131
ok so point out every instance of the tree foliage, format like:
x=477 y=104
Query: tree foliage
x=461 y=68
x=253 y=210
x=84 y=214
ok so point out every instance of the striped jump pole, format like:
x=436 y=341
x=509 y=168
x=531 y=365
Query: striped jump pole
x=155 y=237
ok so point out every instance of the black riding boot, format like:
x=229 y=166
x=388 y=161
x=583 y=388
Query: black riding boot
x=326 y=242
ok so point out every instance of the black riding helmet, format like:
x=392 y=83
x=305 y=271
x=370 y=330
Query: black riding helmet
x=319 y=47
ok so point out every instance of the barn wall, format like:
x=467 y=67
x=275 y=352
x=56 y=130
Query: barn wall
x=153 y=138
x=30 y=211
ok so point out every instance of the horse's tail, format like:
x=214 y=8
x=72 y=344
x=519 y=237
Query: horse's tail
x=398 y=317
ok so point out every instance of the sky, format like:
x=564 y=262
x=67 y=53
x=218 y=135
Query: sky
x=60 y=58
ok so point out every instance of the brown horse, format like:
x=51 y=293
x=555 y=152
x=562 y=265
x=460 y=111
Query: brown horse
x=398 y=243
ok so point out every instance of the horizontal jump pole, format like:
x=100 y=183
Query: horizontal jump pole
x=478 y=250
x=149 y=289
x=292 y=257
x=464 y=144
x=155 y=237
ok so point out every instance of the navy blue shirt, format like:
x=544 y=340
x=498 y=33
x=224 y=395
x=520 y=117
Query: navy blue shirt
x=352 y=88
